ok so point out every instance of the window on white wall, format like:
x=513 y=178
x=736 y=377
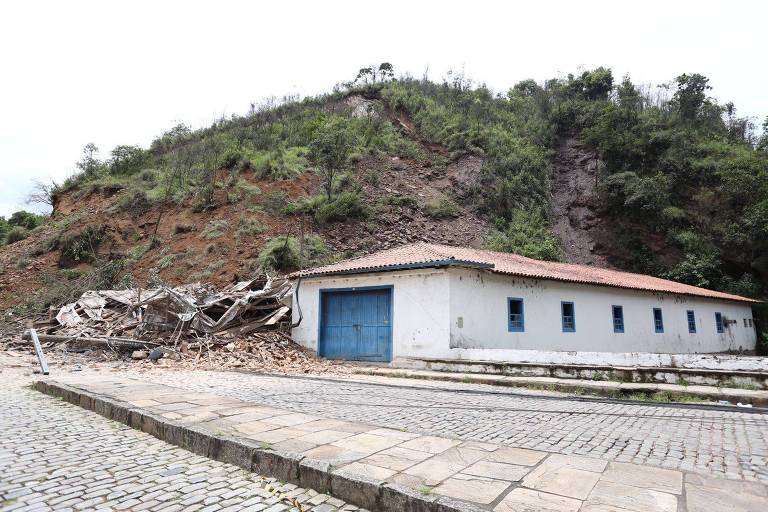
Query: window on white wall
x=515 y=315
x=691 y=321
x=618 y=318
x=569 y=316
x=719 y=322
x=658 y=320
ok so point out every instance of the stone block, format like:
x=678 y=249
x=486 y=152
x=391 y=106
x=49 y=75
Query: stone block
x=281 y=465
x=363 y=491
x=396 y=498
x=196 y=440
x=315 y=474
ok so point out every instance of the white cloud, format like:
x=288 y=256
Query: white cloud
x=122 y=72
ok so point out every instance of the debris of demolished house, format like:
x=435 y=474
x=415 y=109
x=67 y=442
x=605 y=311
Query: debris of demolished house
x=244 y=325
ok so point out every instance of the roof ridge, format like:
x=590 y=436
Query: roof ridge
x=420 y=254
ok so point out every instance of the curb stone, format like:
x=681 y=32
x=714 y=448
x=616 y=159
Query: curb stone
x=286 y=466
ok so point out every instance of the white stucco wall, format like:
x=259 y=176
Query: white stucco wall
x=427 y=305
x=479 y=298
x=419 y=308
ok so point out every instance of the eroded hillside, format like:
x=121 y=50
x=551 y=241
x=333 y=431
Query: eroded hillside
x=174 y=243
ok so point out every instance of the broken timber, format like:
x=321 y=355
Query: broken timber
x=110 y=342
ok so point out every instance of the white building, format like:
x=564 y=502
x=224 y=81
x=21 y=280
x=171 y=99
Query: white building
x=428 y=301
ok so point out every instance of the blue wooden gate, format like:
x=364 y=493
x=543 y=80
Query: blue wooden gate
x=356 y=324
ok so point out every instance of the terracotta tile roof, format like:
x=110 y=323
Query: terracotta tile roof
x=424 y=254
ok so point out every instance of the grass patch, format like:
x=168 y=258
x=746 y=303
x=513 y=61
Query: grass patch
x=165 y=261
x=442 y=209
x=250 y=227
x=214 y=229
x=399 y=200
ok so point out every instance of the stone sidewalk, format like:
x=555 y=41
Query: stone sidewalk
x=385 y=469
x=758 y=398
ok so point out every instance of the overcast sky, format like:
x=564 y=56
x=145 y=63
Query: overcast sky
x=120 y=72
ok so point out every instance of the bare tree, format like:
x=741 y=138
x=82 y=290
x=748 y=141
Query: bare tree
x=42 y=193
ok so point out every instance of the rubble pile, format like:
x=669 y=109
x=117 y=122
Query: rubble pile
x=192 y=309
x=241 y=326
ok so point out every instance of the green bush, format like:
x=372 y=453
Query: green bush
x=443 y=209
x=285 y=253
x=341 y=207
x=134 y=201
x=16 y=234
x=528 y=235
x=399 y=200
x=81 y=247
x=280 y=253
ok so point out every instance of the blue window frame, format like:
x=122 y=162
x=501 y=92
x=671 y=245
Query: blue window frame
x=719 y=322
x=618 y=318
x=515 y=315
x=569 y=316
x=691 y=321
x=658 y=320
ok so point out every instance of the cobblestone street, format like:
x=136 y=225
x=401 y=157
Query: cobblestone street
x=722 y=443
x=56 y=456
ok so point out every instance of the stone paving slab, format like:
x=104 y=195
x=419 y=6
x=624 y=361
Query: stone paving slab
x=384 y=469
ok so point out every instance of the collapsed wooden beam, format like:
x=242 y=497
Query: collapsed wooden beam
x=106 y=342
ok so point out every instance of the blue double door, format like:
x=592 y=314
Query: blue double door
x=356 y=324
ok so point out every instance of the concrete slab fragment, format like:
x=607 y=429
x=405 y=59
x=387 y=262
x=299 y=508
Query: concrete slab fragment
x=254 y=427
x=632 y=498
x=288 y=420
x=517 y=456
x=713 y=499
x=472 y=488
x=366 y=443
x=397 y=434
x=430 y=444
x=276 y=436
x=368 y=470
x=732 y=486
x=446 y=464
x=325 y=436
x=397 y=458
x=293 y=445
x=497 y=470
x=318 y=425
x=333 y=454
x=577 y=462
x=646 y=477
x=562 y=480
x=527 y=500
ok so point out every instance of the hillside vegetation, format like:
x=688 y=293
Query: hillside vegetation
x=681 y=186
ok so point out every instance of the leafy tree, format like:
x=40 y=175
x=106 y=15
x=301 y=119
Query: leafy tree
x=88 y=163
x=25 y=219
x=127 y=160
x=330 y=151
x=691 y=95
